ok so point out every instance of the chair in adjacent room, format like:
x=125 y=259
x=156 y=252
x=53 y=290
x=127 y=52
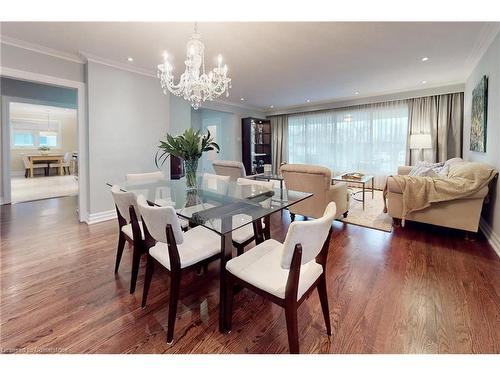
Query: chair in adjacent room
x=130 y=230
x=286 y=273
x=65 y=164
x=233 y=169
x=37 y=166
x=175 y=250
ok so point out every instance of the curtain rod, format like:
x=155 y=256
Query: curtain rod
x=354 y=106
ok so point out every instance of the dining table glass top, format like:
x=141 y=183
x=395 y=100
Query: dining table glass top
x=222 y=206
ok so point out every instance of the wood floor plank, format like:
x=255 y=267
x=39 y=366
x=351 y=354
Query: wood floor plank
x=419 y=289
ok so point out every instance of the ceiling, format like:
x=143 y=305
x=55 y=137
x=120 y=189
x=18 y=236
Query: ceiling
x=284 y=64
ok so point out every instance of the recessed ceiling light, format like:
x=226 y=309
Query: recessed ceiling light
x=271 y=106
x=424 y=82
x=242 y=99
x=130 y=59
x=425 y=58
x=308 y=100
x=356 y=93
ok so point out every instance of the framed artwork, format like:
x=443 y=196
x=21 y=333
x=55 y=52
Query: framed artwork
x=479 y=114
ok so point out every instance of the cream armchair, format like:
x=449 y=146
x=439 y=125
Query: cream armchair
x=317 y=180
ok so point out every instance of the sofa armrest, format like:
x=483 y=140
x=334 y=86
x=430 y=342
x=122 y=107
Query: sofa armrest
x=338 y=193
x=404 y=169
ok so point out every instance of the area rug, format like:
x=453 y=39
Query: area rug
x=30 y=189
x=372 y=216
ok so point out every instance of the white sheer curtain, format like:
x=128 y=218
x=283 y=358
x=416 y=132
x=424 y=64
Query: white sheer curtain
x=369 y=139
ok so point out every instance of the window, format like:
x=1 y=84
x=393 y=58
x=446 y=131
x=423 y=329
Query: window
x=368 y=139
x=28 y=133
x=22 y=139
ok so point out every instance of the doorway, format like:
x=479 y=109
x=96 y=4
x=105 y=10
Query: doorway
x=43 y=151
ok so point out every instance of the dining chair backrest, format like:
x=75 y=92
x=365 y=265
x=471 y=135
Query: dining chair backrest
x=26 y=161
x=156 y=220
x=311 y=235
x=249 y=183
x=246 y=181
x=139 y=178
x=215 y=183
x=233 y=169
x=123 y=201
x=67 y=155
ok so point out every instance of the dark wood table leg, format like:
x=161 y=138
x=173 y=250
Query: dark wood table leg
x=226 y=250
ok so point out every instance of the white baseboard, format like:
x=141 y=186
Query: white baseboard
x=99 y=217
x=491 y=236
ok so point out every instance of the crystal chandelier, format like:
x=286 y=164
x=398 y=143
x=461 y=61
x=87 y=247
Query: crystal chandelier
x=195 y=85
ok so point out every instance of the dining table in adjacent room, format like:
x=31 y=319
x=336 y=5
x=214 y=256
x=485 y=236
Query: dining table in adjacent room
x=222 y=207
x=48 y=159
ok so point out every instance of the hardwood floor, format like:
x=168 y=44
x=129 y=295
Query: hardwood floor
x=420 y=289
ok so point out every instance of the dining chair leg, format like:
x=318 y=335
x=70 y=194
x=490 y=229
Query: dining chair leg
x=150 y=267
x=26 y=173
x=323 y=297
x=228 y=313
x=175 y=281
x=136 y=261
x=119 y=251
x=292 y=327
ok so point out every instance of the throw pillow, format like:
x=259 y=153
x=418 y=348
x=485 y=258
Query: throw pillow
x=422 y=171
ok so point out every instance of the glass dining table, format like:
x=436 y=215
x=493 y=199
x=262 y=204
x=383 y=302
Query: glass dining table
x=220 y=206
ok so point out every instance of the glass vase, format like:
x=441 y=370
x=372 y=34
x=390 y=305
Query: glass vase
x=190 y=167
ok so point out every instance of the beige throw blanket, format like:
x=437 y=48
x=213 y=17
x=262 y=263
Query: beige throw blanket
x=464 y=179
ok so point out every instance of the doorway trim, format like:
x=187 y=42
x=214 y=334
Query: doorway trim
x=83 y=185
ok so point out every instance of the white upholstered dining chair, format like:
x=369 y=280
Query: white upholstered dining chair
x=162 y=195
x=174 y=250
x=245 y=235
x=130 y=230
x=233 y=169
x=286 y=273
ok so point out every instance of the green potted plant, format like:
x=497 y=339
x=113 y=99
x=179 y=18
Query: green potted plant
x=189 y=147
x=44 y=150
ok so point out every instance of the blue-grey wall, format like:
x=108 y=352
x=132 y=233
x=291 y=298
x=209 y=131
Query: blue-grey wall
x=56 y=96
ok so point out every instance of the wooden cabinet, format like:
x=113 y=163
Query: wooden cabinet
x=176 y=168
x=256 y=138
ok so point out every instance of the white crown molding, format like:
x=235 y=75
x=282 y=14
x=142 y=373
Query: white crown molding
x=246 y=107
x=100 y=60
x=41 y=49
x=99 y=217
x=492 y=237
x=415 y=92
x=486 y=37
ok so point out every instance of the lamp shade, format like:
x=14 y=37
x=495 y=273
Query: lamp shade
x=420 y=141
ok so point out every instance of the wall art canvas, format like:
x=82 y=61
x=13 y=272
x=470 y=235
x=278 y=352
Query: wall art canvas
x=479 y=115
